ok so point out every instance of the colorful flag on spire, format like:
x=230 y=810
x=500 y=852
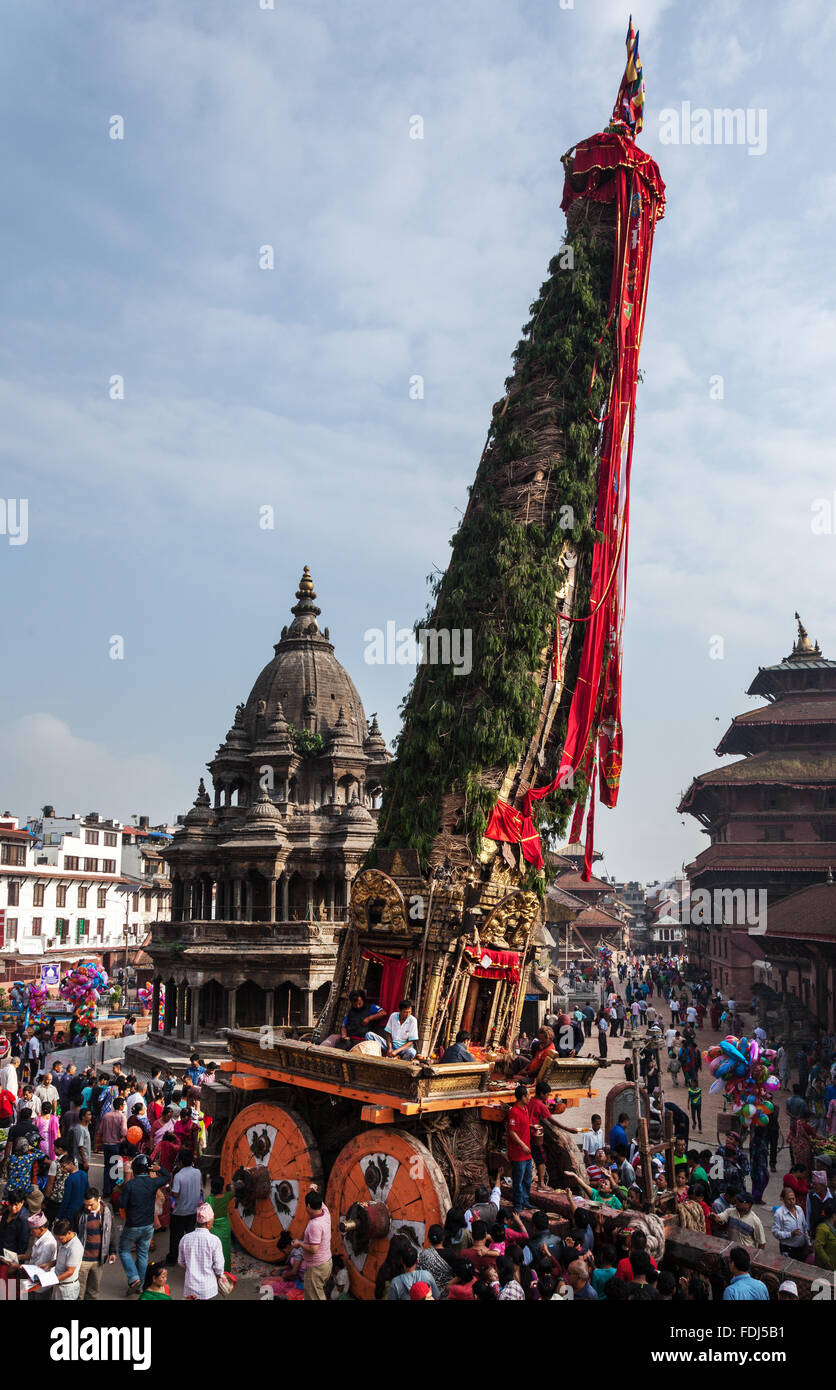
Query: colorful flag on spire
x=629 y=104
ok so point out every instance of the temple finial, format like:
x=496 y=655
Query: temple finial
x=803 y=647
x=305 y=610
x=306 y=588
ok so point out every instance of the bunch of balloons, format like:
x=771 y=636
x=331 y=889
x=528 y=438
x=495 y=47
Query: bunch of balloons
x=743 y=1070
x=82 y=987
x=28 y=1000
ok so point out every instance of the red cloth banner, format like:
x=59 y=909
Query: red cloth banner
x=616 y=171
x=505 y=964
x=390 y=993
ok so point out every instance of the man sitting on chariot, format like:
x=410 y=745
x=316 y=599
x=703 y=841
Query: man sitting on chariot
x=357 y=1024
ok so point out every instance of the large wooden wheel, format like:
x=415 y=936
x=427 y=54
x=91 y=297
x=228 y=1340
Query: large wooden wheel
x=278 y=1153
x=383 y=1182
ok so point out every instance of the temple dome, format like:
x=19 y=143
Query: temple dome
x=306 y=679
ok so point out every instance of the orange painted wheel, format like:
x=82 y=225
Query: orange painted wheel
x=392 y=1168
x=278 y=1153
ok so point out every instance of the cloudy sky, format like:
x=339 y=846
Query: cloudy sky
x=393 y=257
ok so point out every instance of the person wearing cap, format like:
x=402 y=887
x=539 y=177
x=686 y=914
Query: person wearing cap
x=43 y=1254
x=201 y=1256
x=421 y=1293
x=743 y=1225
x=816 y=1198
x=137 y=1198
x=788 y=1291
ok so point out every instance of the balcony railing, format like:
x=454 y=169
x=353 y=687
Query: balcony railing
x=291 y=933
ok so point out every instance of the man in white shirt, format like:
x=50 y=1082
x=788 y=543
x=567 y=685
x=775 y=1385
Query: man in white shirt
x=136 y=1097
x=9 y=1076
x=32 y=1054
x=402 y=1032
x=691 y=1014
x=670 y=1034
x=593 y=1138
x=45 y=1091
x=202 y=1256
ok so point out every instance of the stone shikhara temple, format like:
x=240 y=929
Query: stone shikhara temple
x=261 y=871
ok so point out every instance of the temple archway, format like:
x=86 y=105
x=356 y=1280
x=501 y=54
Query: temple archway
x=289 y=1006
x=250 y=1005
x=212 y=1005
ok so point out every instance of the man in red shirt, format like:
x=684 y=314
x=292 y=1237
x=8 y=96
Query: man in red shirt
x=519 y=1150
x=538 y=1115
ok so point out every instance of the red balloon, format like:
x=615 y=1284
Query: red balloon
x=134 y=1135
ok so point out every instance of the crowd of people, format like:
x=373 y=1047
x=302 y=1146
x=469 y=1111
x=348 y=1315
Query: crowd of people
x=58 y=1231
x=597 y=1234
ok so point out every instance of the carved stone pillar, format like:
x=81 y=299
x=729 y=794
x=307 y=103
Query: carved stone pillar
x=194 y=1028
x=181 y=1009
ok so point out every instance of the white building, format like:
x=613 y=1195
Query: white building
x=72 y=887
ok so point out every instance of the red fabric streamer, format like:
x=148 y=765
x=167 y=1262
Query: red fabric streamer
x=390 y=993
x=607 y=168
x=516 y=828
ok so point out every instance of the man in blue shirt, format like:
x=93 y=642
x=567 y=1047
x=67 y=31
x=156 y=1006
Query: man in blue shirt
x=75 y=1190
x=457 y=1051
x=195 y=1071
x=618 y=1134
x=743 y=1286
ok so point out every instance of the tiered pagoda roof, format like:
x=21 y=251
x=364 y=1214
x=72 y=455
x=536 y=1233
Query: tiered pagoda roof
x=789 y=742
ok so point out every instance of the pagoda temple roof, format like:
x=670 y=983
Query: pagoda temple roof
x=808 y=913
x=564 y=899
x=571 y=882
x=765 y=857
x=811 y=707
x=789 y=673
x=788 y=767
x=595 y=919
